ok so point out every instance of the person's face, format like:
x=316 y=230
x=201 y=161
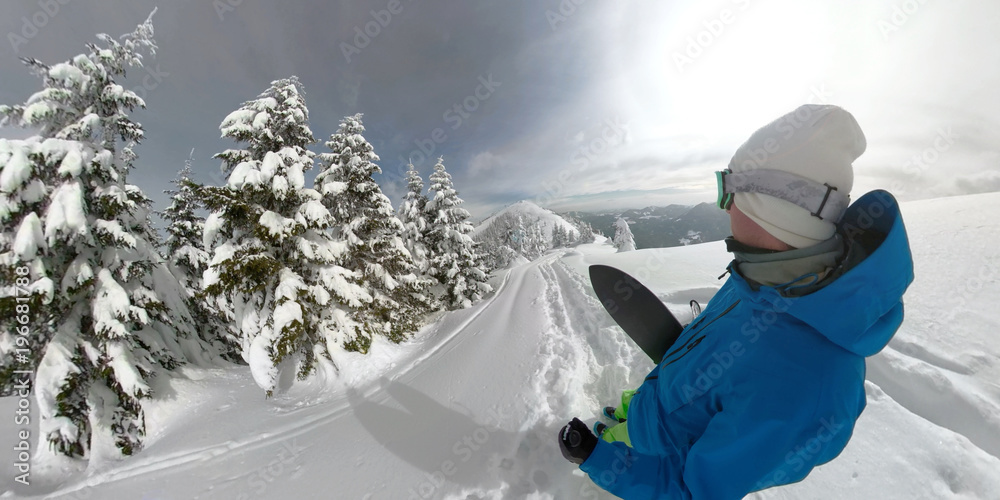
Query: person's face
x=748 y=232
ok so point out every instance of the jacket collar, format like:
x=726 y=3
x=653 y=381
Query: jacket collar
x=787 y=269
x=858 y=305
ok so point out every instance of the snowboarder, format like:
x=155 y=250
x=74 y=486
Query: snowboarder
x=768 y=381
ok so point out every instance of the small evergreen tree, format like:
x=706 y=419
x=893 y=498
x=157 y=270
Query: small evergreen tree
x=184 y=232
x=560 y=237
x=454 y=259
x=188 y=260
x=536 y=244
x=623 y=241
x=519 y=235
x=273 y=261
x=586 y=233
x=496 y=242
x=366 y=222
x=412 y=215
x=105 y=315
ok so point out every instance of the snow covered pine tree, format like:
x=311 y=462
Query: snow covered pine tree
x=375 y=253
x=454 y=260
x=560 y=237
x=106 y=316
x=412 y=213
x=273 y=259
x=535 y=241
x=586 y=232
x=497 y=241
x=188 y=260
x=623 y=241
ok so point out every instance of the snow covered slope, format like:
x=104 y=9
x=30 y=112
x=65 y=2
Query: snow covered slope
x=470 y=408
x=531 y=213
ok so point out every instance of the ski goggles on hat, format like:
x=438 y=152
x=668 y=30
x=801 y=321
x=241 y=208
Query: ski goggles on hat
x=821 y=200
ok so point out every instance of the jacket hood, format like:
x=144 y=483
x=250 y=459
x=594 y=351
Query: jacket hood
x=860 y=305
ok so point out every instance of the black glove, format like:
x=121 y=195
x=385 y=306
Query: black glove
x=576 y=442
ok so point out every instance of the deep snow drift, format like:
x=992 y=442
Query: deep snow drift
x=470 y=408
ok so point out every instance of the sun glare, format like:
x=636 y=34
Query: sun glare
x=725 y=68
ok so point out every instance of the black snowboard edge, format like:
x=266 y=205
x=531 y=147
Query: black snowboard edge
x=636 y=309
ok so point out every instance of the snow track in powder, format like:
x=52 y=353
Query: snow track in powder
x=583 y=362
x=307 y=420
x=943 y=397
x=415 y=418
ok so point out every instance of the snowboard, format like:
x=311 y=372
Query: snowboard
x=637 y=310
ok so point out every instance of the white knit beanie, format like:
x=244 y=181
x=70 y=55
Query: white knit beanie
x=818 y=142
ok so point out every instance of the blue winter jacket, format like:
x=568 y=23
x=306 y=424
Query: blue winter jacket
x=765 y=385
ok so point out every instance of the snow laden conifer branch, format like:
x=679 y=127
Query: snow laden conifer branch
x=106 y=317
x=454 y=260
x=274 y=261
x=375 y=253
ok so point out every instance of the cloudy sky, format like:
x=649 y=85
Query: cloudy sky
x=575 y=104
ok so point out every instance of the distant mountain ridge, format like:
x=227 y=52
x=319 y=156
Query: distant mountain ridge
x=661 y=227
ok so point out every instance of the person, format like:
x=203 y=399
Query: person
x=768 y=381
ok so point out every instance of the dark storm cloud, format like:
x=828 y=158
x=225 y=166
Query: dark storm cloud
x=432 y=78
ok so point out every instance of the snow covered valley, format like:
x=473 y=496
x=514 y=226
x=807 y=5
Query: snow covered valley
x=470 y=408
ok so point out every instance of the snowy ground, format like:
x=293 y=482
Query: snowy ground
x=471 y=407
